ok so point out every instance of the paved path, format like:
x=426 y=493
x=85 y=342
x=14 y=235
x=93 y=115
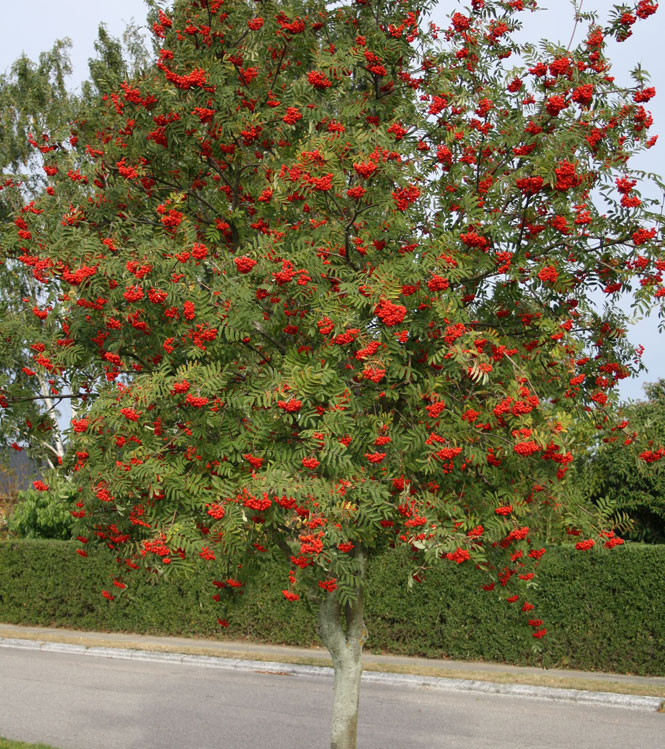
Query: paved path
x=90 y=690
x=83 y=702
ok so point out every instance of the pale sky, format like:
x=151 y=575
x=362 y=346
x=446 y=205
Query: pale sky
x=33 y=26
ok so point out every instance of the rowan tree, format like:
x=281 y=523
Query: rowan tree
x=327 y=287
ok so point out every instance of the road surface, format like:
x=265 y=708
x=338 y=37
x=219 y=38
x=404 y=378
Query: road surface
x=85 y=702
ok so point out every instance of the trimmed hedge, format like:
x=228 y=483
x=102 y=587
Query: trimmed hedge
x=603 y=610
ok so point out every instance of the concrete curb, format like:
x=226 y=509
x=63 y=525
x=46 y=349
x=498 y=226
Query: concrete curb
x=608 y=699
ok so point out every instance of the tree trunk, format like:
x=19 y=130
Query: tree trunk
x=345 y=644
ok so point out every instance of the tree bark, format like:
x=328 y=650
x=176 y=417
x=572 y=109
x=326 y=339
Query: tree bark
x=59 y=448
x=345 y=643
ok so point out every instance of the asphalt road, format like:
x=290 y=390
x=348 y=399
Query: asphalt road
x=84 y=702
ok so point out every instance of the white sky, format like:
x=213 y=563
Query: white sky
x=35 y=25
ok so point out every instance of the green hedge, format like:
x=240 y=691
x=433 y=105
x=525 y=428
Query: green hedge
x=603 y=610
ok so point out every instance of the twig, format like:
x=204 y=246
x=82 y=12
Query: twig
x=577 y=20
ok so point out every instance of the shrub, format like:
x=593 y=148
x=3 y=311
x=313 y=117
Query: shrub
x=605 y=610
x=44 y=514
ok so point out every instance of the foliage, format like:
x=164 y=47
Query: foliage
x=625 y=468
x=425 y=379
x=117 y=60
x=44 y=514
x=16 y=474
x=35 y=101
x=607 y=610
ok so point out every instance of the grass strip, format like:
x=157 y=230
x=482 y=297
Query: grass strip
x=9 y=744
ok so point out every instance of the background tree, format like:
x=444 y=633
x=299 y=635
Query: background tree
x=116 y=60
x=34 y=100
x=325 y=286
x=624 y=467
